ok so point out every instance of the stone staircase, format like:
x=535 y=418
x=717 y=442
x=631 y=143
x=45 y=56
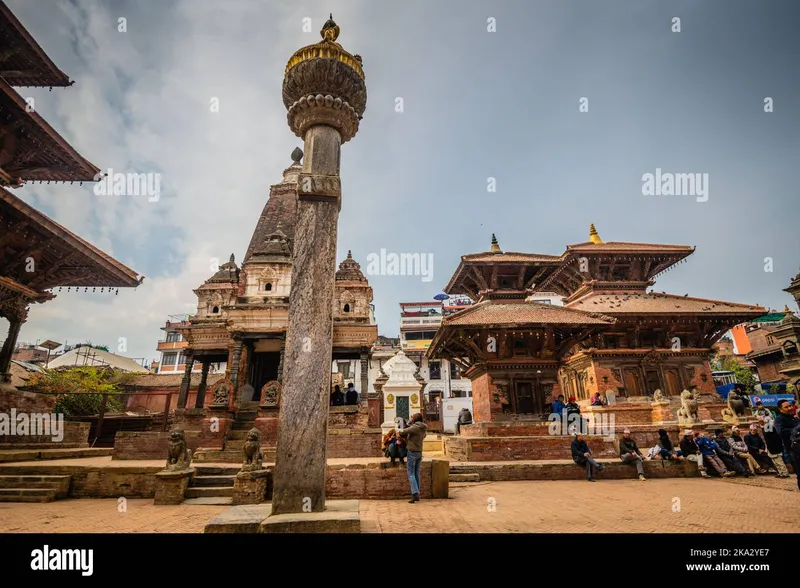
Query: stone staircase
x=234 y=442
x=33 y=488
x=211 y=485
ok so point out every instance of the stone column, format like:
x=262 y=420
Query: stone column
x=201 y=389
x=325 y=95
x=183 y=395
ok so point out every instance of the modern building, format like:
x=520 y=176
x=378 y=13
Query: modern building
x=172 y=346
x=419 y=322
x=775 y=340
x=89 y=355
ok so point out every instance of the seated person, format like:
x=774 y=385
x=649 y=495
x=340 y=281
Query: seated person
x=598 y=400
x=582 y=455
x=758 y=449
x=740 y=449
x=394 y=447
x=464 y=418
x=691 y=451
x=708 y=448
x=667 y=449
x=337 y=398
x=629 y=452
x=728 y=456
x=351 y=396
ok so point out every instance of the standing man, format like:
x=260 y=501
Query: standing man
x=629 y=452
x=414 y=435
x=351 y=396
x=784 y=423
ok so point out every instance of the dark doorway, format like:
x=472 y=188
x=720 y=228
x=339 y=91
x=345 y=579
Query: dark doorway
x=402 y=407
x=263 y=369
x=653 y=381
x=525 y=400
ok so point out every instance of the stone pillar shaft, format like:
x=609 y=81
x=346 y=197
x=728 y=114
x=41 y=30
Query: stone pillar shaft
x=364 y=377
x=280 y=361
x=300 y=462
x=186 y=382
x=237 y=356
x=201 y=389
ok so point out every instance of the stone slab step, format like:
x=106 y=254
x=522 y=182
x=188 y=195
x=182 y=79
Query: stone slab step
x=58 y=484
x=216 y=470
x=209 y=491
x=214 y=480
x=209 y=501
x=465 y=477
x=32 y=454
x=27 y=495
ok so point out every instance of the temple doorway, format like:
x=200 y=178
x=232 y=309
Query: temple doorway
x=263 y=369
x=525 y=398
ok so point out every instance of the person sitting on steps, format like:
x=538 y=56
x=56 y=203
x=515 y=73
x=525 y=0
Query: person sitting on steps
x=394 y=447
x=629 y=452
x=582 y=455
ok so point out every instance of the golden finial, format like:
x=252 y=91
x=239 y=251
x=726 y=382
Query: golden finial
x=786 y=309
x=495 y=245
x=593 y=236
x=330 y=30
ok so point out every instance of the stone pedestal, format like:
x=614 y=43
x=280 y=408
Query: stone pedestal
x=250 y=486
x=171 y=485
x=190 y=419
x=339 y=516
x=374 y=407
x=660 y=412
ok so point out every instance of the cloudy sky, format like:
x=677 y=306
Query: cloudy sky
x=481 y=99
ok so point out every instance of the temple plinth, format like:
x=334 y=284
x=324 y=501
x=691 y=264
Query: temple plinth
x=325 y=114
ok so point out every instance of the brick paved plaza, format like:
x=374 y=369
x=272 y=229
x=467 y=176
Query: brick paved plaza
x=714 y=506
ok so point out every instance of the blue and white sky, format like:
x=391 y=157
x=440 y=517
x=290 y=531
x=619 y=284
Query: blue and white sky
x=477 y=104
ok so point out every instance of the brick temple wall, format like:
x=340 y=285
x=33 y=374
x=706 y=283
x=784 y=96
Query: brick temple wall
x=75 y=435
x=521 y=448
x=482 y=398
x=150 y=444
x=348 y=417
x=354 y=443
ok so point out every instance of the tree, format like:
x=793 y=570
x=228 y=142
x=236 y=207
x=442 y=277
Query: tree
x=79 y=390
x=743 y=374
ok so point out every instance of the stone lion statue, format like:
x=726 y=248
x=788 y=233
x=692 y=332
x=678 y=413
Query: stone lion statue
x=736 y=403
x=658 y=396
x=253 y=456
x=178 y=456
x=687 y=413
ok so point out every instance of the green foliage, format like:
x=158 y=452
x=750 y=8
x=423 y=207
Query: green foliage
x=80 y=390
x=743 y=374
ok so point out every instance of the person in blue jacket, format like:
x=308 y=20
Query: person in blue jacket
x=708 y=448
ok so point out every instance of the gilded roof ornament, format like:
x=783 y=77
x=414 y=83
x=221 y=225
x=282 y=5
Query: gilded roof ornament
x=330 y=30
x=495 y=245
x=593 y=236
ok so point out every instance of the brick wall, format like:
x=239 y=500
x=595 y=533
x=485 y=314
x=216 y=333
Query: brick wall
x=526 y=448
x=150 y=444
x=605 y=378
x=354 y=443
x=348 y=417
x=25 y=401
x=75 y=435
x=703 y=387
x=768 y=368
x=482 y=398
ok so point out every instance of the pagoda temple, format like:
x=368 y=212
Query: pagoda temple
x=36 y=253
x=612 y=335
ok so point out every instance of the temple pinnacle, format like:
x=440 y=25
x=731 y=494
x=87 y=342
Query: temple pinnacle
x=330 y=30
x=495 y=245
x=232 y=258
x=297 y=154
x=349 y=254
x=593 y=236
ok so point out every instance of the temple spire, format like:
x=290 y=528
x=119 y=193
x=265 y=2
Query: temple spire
x=495 y=245
x=593 y=236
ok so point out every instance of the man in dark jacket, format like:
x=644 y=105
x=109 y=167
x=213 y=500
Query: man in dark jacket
x=464 y=418
x=758 y=449
x=351 y=396
x=629 y=452
x=785 y=421
x=414 y=434
x=727 y=455
x=691 y=451
x=582 y=455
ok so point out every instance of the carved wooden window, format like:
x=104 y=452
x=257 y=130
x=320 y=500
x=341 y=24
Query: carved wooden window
x=267 y=286
x=215 y=310
x=346 y=308
x=435 y=368
x=789 y=348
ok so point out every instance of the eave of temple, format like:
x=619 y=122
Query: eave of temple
x=60 y=257
x=31 y=150
x=22 y=61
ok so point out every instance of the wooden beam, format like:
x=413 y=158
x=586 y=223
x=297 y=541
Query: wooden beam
x=477 y=275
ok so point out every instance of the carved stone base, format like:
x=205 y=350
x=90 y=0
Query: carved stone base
x=216 y=424
x=250 y=487
x=339 y=516
x=170 y=487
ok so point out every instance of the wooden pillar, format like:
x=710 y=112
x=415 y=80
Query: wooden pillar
x=183 y=396
x=280 y=362
x=8 y=349
x=237 y=357
x=201 y=389
x=364 y=363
